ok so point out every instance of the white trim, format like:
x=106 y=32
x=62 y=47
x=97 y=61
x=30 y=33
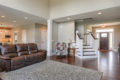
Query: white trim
x=49 y=38
x=86 y=56
x=115 y=49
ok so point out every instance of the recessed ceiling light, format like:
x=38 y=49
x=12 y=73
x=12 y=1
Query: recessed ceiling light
x=2 y=16
x=103 y=25
x=25 y=17
x=14 y=21
x=68 y=18
x=99 y=13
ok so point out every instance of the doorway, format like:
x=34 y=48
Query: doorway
x=104 y=41
x=15 y=37
x=106 y=38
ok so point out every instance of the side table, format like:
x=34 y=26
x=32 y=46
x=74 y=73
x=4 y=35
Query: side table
x=73 y=51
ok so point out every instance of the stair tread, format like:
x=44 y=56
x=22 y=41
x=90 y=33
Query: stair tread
x=89 y=55
x=88 y=51
x=86 y=45
x=87 y=48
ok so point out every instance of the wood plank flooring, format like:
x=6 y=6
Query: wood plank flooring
x=107 y=62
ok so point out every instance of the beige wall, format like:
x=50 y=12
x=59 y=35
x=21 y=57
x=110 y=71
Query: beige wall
x=62 y=8
x=35 y=7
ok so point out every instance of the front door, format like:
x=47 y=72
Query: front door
x=104 y=41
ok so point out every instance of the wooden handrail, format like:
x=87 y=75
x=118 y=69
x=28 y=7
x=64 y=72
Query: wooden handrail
x=79 y=36
x=93 y=36
x=86 y=34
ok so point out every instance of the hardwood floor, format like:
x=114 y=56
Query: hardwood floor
x=107 y=62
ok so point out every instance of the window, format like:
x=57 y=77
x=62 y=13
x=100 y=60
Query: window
x=104 y=35
x=97 y=35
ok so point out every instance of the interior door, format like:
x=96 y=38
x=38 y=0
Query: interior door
x=44 y=39
x=104 y=41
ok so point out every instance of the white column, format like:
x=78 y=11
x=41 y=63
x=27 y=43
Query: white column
x=49 y=37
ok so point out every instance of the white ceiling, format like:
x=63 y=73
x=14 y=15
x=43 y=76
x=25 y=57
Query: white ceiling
x=107 y=16
x=18 y=16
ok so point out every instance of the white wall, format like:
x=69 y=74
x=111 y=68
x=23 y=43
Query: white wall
x=54 y=36
x=66 y=31
x=30 y=33
x=35 y=7
x=62 y=8
x=26 y=33
x=81 y=28
x=59 y=8
x=38 y=29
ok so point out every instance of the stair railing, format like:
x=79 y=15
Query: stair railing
x=79 y=45
x=94 y=42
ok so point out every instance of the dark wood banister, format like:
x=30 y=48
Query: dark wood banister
x=79 y=36
x=91 y=35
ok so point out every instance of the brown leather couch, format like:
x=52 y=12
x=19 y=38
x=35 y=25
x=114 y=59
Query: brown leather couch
x=16 y=56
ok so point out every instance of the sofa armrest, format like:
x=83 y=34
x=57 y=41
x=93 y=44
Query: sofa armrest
x=5 y=58
x=5 y=63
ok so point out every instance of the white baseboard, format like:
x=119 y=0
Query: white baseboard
x=115 y=50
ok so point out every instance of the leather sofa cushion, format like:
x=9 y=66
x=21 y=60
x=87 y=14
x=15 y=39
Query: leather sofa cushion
x=17 y=60
x=22 y=53
x=32 y=48
x=11 y=55
x=9 y=51
x=44 y=51
x=22 y=49
x=39 y=55
x=30 y=58
x=33 y=51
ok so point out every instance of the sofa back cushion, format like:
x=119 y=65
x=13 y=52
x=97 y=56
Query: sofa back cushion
x=32 y=48
x=22 y=49
x=8 y=51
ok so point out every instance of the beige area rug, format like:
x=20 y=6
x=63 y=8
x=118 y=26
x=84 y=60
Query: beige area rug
x=51 y=70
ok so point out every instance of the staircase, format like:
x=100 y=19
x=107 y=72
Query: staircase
x=86 y=47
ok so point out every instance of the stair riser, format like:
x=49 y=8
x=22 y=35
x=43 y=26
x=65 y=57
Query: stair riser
x=87 y=47
x=89 y=53
x=88 y=50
